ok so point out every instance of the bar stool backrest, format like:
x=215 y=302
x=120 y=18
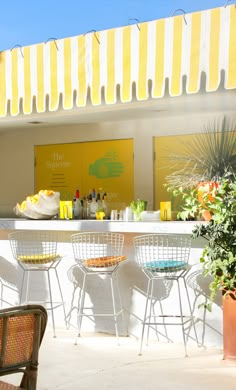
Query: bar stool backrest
x=34 y=247
x=98 y=249
x=163 y=253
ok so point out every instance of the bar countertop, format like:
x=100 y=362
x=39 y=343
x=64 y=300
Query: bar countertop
x=175 y=227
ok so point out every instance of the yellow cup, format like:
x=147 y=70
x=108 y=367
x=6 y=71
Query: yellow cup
x=165 y=211
x=66 y=209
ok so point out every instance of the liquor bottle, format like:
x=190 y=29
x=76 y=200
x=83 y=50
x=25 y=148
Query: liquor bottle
x=93 y=208
x=104 y=205
x=99 y=203
x=77 y=206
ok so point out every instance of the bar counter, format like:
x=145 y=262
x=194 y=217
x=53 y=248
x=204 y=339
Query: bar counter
x=131 y=278
x=176 y=227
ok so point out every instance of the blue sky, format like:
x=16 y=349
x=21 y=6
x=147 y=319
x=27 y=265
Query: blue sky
x=26 y=22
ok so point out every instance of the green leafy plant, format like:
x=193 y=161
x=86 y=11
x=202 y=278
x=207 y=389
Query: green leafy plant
x=190 y=207
x=137 y=206
x=219 y=255
x=195 y=201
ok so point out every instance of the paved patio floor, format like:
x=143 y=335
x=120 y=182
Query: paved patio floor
x=97 y=362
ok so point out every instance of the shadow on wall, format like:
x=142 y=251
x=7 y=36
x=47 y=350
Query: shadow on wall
x=75 y=276
x=133 y=287
x=135 y=299
x=199 y=294
x=98 y=300
x=10 y=283
x=164 y=307
x=200 y=286
x=98 y=297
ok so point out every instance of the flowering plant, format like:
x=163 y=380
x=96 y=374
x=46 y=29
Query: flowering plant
x=219 y=255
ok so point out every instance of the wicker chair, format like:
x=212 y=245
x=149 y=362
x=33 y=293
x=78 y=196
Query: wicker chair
x=21 y=332
x=99 y=253
x=36 y=251
x=165 y=257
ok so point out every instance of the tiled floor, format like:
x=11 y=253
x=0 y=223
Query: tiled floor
x=97 y=362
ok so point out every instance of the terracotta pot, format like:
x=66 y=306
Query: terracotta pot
x=203 y=188
x=229 y=326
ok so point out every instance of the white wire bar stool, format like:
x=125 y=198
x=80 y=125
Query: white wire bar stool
x=99 y=253
x=36 y=251
x=165 y=257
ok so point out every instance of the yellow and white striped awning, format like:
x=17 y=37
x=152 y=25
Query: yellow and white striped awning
x=122 y=64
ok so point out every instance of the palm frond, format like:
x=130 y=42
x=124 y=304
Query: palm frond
x=206 y=157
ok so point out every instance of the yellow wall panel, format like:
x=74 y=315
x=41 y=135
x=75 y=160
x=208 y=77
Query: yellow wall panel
x=109 y=165
x=104 y=164
x=166 y=148
x=58 y=167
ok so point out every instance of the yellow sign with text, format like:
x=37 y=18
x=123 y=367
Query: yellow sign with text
x=106 y=166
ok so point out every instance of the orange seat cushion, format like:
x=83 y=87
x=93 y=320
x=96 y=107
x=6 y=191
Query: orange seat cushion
x=106 y=261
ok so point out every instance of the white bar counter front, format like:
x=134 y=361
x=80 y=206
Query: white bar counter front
x=177 y=227
x=131 y=279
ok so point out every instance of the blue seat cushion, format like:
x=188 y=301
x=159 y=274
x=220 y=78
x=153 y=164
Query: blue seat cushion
x=165 y=265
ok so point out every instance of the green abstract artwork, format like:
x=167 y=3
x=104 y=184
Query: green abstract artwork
x=106 y=167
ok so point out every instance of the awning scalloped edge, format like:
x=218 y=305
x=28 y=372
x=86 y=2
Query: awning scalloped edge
x=165 y=57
